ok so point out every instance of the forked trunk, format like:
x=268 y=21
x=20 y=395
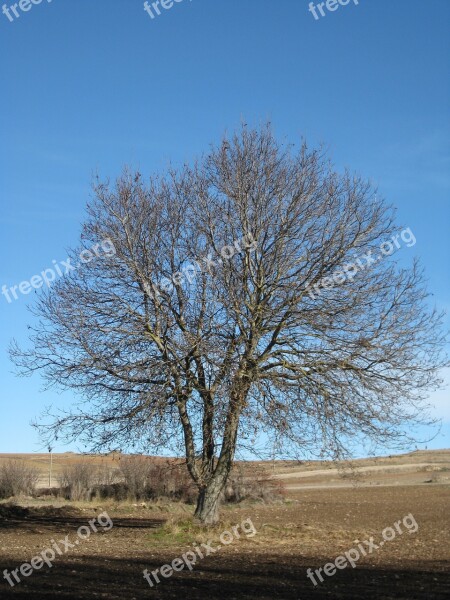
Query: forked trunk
x=208 y=503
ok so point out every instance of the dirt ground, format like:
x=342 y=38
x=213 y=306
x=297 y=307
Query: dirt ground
x=310 y=529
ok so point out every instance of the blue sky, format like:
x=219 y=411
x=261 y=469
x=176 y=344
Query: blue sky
x=92 y=85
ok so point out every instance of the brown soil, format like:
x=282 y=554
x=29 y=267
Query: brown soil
x=310 y=529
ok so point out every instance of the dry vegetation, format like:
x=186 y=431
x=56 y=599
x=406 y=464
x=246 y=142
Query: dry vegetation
x=124 y=478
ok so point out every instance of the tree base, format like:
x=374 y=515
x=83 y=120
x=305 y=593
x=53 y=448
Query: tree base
x=208 y=505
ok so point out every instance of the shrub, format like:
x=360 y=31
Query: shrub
x=171 y=480
x=146 y=479
x=136 y=473
x=254 y=484
x=17 y=479
x=77 y=481
x=115 y=491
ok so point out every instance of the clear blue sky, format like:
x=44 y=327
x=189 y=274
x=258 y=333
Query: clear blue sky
x=91 y=85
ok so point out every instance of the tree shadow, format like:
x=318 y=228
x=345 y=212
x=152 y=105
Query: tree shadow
x=230 y=577
x=35 y=520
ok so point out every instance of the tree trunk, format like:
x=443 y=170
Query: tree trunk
x=208 y=504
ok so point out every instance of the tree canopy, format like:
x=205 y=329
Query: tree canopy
x=253 y=293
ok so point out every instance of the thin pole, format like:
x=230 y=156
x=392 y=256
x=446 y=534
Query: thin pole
x=51 y=466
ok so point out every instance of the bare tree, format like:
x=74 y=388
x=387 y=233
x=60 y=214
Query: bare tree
x=238 y=346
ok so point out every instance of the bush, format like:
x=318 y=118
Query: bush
x=171 y=480
x=83 y=480
x=115 y=491
x=252 y=484
x=48 y=493
x=146 y=479
x=137 y=474
x=17 y=479
x=76 y=481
